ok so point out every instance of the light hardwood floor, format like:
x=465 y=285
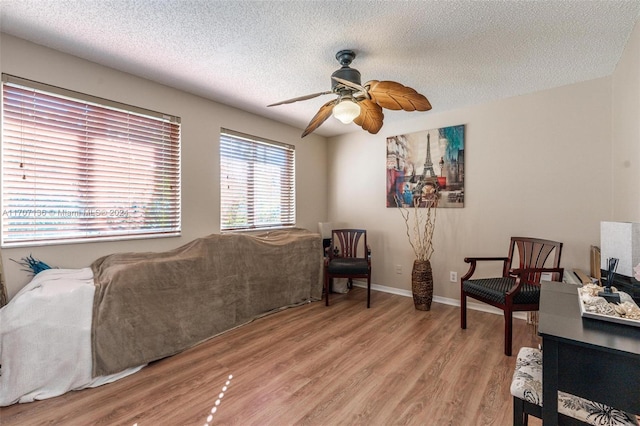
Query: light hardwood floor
x=316 y=365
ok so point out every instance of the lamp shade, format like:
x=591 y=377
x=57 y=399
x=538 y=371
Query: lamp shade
x=620 y=240
x=325 y=229
x=346 y=111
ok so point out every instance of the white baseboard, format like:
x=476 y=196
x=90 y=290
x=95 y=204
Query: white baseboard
x=444 y=300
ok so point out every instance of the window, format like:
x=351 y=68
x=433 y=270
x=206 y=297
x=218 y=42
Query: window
x=256 y=182
x=78 y=168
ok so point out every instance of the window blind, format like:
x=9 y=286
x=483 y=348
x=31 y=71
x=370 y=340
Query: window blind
x=77 y=168
x=256 y=182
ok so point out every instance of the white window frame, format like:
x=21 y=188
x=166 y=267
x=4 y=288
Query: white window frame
x=77 y=168
x=257 y=183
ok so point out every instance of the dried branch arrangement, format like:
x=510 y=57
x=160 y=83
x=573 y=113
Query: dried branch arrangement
x=421 y=225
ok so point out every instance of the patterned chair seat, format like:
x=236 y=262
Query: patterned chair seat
x=527 y=386
x=495 y=289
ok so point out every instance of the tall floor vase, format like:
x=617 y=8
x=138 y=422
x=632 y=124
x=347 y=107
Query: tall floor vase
x=422 y=284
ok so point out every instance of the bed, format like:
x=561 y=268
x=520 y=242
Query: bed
x=71 y=329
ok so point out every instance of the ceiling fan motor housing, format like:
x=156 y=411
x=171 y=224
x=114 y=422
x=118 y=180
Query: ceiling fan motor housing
x=346 y=72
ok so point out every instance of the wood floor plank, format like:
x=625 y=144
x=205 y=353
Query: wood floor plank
x=316 y=365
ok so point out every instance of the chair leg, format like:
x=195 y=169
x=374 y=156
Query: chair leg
x=327 y=284
x=519 y=417
x=463 y=311
x=508 y=326
x=369 y=291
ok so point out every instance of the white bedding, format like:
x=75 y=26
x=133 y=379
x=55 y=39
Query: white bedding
x=45 y=338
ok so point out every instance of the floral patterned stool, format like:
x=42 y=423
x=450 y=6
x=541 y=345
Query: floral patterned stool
x=526 y=389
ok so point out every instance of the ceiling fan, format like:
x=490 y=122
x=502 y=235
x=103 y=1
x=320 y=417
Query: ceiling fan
x=358 y=103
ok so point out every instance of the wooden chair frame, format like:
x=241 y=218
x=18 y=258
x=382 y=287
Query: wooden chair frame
x=533 y=254
x=344 y=245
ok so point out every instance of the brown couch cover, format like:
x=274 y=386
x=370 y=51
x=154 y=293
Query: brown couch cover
x=151 y=305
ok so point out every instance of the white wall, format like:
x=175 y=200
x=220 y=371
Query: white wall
x=537 y=165
x=626 y=133
x=201 y=123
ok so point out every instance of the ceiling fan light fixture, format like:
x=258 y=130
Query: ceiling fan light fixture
x=346 y=111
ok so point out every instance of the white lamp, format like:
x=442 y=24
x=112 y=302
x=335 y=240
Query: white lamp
x=325 y=229
x=346 y=110
x=620 y=240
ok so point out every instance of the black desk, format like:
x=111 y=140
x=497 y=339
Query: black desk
x=594 y=359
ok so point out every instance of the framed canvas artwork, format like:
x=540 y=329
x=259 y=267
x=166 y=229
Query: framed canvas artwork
x=426 y=164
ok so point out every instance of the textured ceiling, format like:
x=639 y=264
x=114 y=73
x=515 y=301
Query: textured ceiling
x=249 y=54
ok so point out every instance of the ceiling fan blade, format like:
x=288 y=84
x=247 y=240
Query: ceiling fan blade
x=301 y=98
x=320 y=117
x=350 y=84
x=396 y=96
x=371 y=116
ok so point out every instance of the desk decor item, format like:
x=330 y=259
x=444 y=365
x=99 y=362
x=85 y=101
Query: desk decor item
x=607 y=293
x=592 y=305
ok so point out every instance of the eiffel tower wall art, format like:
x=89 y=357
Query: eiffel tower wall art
x=424 y=164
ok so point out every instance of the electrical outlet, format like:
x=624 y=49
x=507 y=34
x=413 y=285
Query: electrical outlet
x=398 y=269
x=453 y=276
